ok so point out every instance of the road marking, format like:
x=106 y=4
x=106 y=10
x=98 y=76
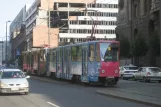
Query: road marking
x=53 y=104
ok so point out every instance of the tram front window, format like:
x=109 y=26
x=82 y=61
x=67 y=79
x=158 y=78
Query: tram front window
x=108 y=53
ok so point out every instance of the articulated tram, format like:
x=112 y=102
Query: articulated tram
x=94 y=61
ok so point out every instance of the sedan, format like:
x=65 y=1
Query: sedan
x=13 y=81
x=148 y=74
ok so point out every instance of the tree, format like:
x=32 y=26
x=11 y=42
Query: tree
x=124 y=47
x=138 y=46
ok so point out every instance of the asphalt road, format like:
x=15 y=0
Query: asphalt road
x=153 y=88
x=62 y=94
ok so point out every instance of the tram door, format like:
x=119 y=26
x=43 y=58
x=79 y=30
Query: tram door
x=84 y=65
x=58 y=63
x=68 y=63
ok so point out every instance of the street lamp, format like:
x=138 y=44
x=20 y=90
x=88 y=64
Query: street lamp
x=6 y=38
x=160 y=31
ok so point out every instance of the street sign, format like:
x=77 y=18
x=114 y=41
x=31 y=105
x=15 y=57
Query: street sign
x=18 y=52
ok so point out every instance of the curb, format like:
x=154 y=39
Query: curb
x=47 y=79
x=41 y=79
x=129 y=99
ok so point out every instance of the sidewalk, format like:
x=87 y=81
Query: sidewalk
x=146 y=93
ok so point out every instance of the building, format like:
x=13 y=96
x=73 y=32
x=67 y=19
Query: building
x=69 y=20
x=76 y=19
x=139 y=17
x=17 y=32
x=38 y=33
x=3 y=52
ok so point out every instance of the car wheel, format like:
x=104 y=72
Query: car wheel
x=146 y=80
x=26 y=93
x=134 y=78
x=125 y=78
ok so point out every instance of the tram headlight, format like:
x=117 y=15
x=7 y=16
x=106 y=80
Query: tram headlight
x=116 y=71
x=103 y=71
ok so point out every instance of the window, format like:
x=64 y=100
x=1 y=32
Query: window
x=135 y=10
x=154 y=70
x=131 y=68
x=60 y=54
x=97 y=52
x=108 y=52
x=91 y=52
x=145 y=7
x=76 y=53
x=140 y=70
x=144 y=70
x=14 y=74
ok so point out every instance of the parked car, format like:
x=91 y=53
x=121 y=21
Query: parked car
x=128 y=72
x=13 y=81
x=148 y=74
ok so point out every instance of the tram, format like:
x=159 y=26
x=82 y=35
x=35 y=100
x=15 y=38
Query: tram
x=88 y=62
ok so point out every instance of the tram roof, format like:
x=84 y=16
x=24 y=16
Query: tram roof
x=111 y=41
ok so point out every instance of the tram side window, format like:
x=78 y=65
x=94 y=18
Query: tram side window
x=54 y=56
x=97 y=52
x=91 y=52
x=24 y=58
x=76 y=53
x=41 y=56
x=32 y=58
x=60 y=55
x=50 y=56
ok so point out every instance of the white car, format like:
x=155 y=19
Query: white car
x=148 y=74
x=128 y=72
x=13 y=81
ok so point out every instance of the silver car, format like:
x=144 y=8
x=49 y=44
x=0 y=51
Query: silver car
x=13 y=81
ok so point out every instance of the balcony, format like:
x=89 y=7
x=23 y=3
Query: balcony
x=155 y=6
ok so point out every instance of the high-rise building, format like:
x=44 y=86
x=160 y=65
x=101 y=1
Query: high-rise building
x=17 y=32
x=77 y=18
x=69 y=20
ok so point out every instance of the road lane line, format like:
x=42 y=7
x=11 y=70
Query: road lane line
x=53 y=104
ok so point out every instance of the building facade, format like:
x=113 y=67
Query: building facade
x=17 y=32
x=38 y=33
x=3 y=52
x=139 y=17
x=76 y=19
x=52 y=22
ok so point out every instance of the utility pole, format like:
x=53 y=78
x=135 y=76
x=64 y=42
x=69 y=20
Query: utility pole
x=160 y=30
x=48 y=23
x=132 y=60
x=6 y=41
x=2 y=51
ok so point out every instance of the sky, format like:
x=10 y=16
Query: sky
x=8 y=10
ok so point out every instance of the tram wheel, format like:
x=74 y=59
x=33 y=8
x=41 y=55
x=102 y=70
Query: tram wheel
x=86 y=84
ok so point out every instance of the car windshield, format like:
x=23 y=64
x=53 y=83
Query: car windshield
x=156 y=70
x=108 y=54
x=131 y=68
x=12 y=74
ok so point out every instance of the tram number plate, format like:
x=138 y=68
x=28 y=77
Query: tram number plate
x=110 y=77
